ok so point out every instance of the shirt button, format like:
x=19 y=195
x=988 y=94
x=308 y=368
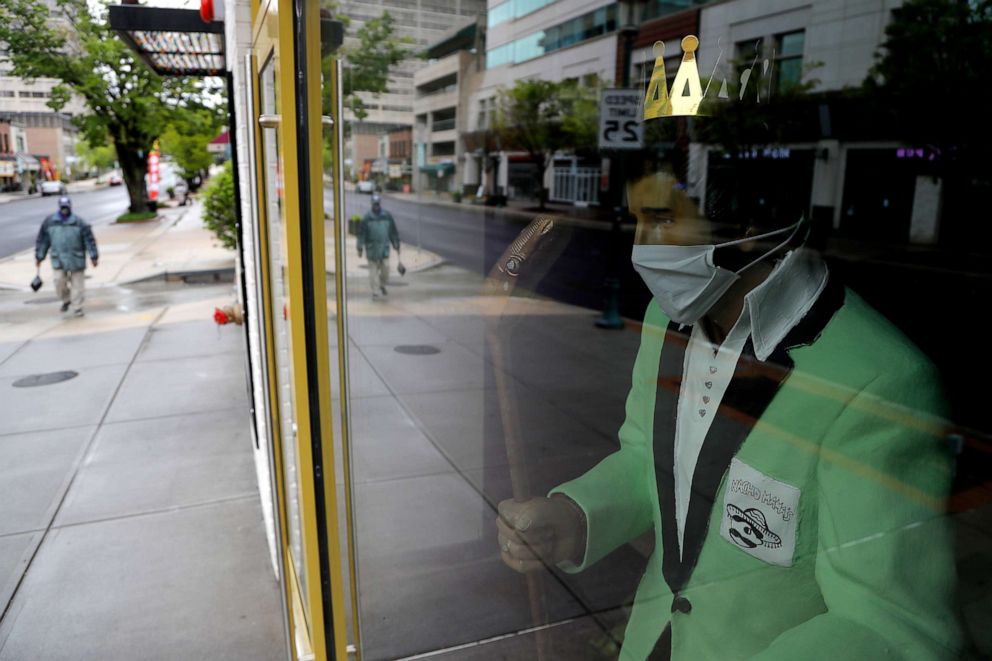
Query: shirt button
x=682 y=605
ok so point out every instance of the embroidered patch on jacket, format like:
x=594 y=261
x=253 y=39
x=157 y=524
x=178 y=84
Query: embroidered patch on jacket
x=759 y=515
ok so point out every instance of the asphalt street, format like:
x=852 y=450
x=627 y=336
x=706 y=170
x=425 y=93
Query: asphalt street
x=571 y=265
x=20 y=219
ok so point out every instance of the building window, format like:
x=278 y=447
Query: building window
x=789 y=59
x=443 y=149
x=499 y=56
x=7 y=93
x=588 y=26
x=500 y=13
x=656 y=8
x=511 y=9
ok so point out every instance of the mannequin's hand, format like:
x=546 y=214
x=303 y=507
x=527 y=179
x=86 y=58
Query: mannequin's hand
x=540 y=532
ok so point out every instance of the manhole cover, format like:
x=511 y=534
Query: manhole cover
x=44 y=379
x=43 y=300
x=416 y=349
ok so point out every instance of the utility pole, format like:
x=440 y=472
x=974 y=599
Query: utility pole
x=611 y=318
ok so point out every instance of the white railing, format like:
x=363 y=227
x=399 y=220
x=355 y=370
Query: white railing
x=575 y=185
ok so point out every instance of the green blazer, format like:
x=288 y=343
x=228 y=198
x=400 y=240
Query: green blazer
x=816 y=524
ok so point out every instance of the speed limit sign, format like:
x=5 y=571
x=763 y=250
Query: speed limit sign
x=620 y=120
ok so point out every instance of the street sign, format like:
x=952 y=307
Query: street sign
x=620 y=119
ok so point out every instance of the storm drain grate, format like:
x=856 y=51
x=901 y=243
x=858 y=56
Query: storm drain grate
x=50 y=378
x=416 y=349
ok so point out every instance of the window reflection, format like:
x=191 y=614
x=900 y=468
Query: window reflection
x=767 y=448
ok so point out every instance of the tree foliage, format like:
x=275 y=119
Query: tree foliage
x=930 y=72
x=367 y=62
x=126 y=101
x=219 y=207
x=542 y=117
x=99 y=156
x=187 y=136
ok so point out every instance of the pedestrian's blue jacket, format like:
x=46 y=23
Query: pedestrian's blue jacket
x=69 y=238
x=376 y=232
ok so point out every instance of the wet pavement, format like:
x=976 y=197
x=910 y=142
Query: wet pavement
x=130 y=521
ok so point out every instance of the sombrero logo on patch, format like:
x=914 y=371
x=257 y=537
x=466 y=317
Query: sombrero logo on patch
x=760 y=515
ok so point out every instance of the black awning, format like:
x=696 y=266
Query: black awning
x=172 y=42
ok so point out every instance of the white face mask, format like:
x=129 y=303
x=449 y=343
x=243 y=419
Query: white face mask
x=684 y=279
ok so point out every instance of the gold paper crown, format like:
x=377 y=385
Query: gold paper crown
x=687 y=91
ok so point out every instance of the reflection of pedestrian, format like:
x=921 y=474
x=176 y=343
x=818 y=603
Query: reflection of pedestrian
x=376 y=231
x=69 y=237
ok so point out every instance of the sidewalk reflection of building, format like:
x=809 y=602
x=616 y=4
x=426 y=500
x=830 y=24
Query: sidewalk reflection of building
x=445 y=161
x=422 y=23
x=548 y=41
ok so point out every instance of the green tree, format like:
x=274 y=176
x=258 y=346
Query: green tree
x=368 y=62
x=542 y=117
x=187 y=136
x=126 y=101
x=930 y=72
x=218 y=207
x=98 y=156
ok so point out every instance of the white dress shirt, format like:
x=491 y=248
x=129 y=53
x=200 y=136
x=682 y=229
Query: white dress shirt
x=770 y=311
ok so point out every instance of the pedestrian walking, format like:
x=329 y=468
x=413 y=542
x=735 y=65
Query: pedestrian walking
x=375 y=234
x=69 y=238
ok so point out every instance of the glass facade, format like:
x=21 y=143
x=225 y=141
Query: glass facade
x=582 y=28
x=511 y=9
x=657 y=8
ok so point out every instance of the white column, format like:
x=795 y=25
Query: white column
x=926 y=210
x=827 y=175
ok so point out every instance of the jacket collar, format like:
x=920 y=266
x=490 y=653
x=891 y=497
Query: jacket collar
x=778 y=304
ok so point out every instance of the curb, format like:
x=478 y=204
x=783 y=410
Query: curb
x=192 y=276
x=602 y=225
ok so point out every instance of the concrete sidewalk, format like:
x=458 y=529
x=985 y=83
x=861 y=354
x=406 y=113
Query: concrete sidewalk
x=130 y=523
x=175 y=243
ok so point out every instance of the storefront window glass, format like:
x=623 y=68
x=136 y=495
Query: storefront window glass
x=658 y=373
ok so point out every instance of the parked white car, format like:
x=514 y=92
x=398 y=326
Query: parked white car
x=53 y=188
x=366 y=186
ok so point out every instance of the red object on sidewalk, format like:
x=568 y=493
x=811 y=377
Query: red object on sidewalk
x=207 y=10
x=220 y=317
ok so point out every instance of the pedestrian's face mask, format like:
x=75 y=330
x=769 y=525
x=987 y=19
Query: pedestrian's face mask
x=65 y=211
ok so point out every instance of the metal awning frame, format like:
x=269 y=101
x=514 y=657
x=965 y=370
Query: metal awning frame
x=127 y=20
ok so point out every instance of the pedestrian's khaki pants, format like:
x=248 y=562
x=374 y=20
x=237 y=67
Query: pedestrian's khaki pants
x=378 y=275
x=71 y=287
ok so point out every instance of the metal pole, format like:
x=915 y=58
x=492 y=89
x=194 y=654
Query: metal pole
x=611 y=319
